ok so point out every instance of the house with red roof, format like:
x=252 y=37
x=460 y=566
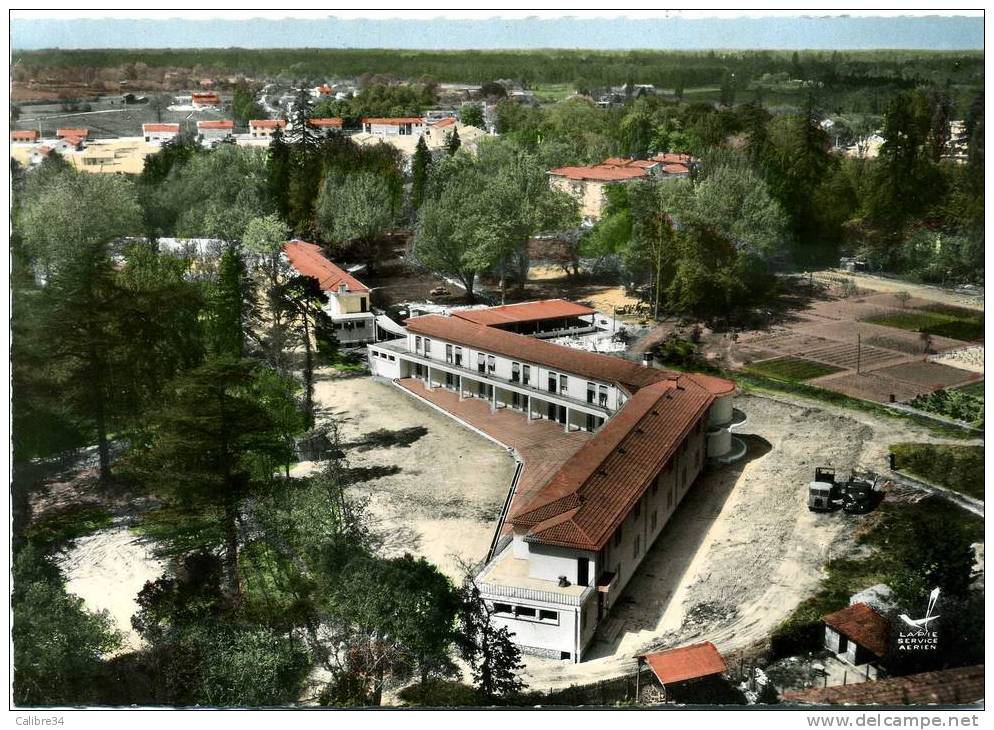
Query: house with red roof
x=348 y=298
x=205 y=100
x=24 y=135
x=674 y=667
x=859 y=635
x=215 y=129
x=569 y=543
x=265 y=127
x=326 y=123
x=159 y=132
x=393 y=126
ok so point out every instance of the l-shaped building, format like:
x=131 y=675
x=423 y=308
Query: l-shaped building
x=570 y=546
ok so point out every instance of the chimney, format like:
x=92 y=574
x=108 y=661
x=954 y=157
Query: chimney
x=647 y=359
x=563 y=582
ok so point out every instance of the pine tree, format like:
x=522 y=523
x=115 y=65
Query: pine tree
x=420 y=165
x=278 y=169
x=453 y=143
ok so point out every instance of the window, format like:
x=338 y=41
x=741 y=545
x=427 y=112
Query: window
x=655 y=487
x=362 y=304
x=450 y=381
x=491 y=363
x=669 y=497
x=552 y=382
x=458 y=356
x=524 y=612
x=602 y=396
x=549 y=616
x=515 y=372
x=637 y=548
x=618 y=537
x=481 y=362
x=590 y=422
x=683 y=477
x=516 y=399
x=563 y=385
x=652 y=521
x=638 y=509
x=591 y=392
x=427 y=346
x=503 y=608
x=417 y=344
x=448 y=353
x=526 y=375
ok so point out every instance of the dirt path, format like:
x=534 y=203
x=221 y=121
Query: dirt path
x=743 y=550
x=923 y=291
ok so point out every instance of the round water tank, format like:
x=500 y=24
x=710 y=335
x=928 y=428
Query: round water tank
x=719 y=442
x=721 y=411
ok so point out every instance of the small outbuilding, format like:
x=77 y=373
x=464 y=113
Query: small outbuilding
x=685 y=664
x=857 y=634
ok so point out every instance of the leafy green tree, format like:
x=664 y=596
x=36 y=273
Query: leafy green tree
x=244 y=106
x=420 y=166
x=58 y=644
x=452 y=142
x=472 y=115
x=355 y=210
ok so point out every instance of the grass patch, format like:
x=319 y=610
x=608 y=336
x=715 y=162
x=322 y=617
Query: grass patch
x=61 y=526
x=552 y=92
x=792 y=369
x=753 y=382
x=955 y=404
x=957 y=467
x=440 y=693
x=936 y=319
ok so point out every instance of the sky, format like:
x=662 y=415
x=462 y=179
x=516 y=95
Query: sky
x=679 y=31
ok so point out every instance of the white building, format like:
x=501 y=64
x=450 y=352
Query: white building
x=348 y=298
x=159 y=132
x=569 y=547
x=215 y=129
x=205 y=100
x=391 y=126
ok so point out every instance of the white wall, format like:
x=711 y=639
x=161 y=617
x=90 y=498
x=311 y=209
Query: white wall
x=384 y=363
x=576 y=385
x=554 y=637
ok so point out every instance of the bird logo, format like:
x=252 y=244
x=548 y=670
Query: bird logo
x=922 y=623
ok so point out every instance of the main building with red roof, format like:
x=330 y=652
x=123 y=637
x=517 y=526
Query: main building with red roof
x=570 y=542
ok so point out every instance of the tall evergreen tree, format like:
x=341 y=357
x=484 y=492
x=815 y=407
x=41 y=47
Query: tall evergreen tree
x=420 y=165
x=453 y=143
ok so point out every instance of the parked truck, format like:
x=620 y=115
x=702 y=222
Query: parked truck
x=860 y=493
x=823 y=491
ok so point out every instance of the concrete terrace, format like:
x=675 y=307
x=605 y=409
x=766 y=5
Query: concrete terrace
x=542 y=445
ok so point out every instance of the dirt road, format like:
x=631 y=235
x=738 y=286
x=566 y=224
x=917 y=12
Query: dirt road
x=923 y=291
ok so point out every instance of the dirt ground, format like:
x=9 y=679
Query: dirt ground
x=547 y=282
x=742 y=551
x=440 y=495
x=971 y=300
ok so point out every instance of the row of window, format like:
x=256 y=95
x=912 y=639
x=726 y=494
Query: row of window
x=350 y=325
x=526 y=613
x=384 y=355
x=520 y=373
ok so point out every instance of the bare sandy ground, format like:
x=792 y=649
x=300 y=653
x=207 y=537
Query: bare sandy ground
x=923 y=291
x=438 y=497
x=107 y=570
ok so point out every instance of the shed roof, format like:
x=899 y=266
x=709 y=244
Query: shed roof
x=309 y=260
x=600 y=173
x=267 y=123
x=174 y=128
x=524 y=312
x=961 y=685
x=393 y=121
x=687 y=662
x=326 y=122
x=24 y=135
x=863 y=625
x=81 y=132
x=216 y=124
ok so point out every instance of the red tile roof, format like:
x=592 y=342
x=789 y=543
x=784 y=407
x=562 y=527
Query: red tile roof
x=327 y=122
x=308 y=260
x=524 y=312
x=601 y=173
x=963 y=685
x=606 y=368
x=267 y=123
x=447 y=122
x=216 y=124
x=24 y=135
x=674 y=158
x=675 y=169
x=81 y=132
x=394 y=121
x=687 y=662
x=863 y=625
x=585 y=501
x=147 y=128
x=205 y=97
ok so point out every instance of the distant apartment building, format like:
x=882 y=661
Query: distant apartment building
x=392 y=126
x=159 y=132
x=215 y=129
x=587 y=183
x=570 y=545
x=348 y=304
x=265 y=127
x=205 y=100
